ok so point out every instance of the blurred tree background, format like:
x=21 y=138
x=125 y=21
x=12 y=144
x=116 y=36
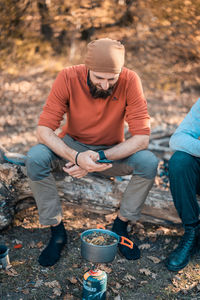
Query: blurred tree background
x=162 y=38
x=38 y=38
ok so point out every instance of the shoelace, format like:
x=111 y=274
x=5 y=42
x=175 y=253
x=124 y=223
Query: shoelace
x=186 y=240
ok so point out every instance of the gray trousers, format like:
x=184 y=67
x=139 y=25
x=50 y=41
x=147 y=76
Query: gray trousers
x=41 y=161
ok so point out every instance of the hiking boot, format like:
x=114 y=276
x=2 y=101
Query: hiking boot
x=188 y=245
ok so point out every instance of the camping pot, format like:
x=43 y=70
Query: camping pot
x=102 y=253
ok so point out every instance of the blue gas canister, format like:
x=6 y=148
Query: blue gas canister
x=94 y=285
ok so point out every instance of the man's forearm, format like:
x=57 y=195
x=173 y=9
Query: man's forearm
x=86 y=160
x=47 y=137
x=128 y=147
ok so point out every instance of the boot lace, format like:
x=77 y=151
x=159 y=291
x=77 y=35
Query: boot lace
x=187 y=241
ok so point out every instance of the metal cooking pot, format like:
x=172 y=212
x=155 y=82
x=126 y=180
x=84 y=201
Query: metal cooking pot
x=102 y=253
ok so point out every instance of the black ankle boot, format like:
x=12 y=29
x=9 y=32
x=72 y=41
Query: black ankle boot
x=51 y=254
x=188 y=245
x=120 y=227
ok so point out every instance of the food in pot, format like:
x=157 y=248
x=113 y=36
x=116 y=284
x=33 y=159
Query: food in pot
x=99 y=238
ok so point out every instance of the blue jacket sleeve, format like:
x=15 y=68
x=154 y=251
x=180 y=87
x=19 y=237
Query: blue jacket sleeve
x=186 y=138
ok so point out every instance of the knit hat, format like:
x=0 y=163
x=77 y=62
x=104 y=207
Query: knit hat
x=105 y=55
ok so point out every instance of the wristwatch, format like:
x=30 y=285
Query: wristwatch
x=102 y=154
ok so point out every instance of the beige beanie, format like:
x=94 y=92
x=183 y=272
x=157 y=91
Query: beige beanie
x=105 y=55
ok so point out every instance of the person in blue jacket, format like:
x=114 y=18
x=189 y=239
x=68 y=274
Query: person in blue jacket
x=184 y=176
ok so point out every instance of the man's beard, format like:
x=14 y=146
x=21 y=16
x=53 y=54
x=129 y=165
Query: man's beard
x=99 y=93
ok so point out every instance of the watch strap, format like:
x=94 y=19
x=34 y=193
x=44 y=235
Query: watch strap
x=102 y=154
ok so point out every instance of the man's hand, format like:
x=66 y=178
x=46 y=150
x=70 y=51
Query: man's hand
x=74 y=170
x=88 y=161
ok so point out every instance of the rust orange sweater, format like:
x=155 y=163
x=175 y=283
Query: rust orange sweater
x=95 y=121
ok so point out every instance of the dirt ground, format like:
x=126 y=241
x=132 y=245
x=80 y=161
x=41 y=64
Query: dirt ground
x=146 y=278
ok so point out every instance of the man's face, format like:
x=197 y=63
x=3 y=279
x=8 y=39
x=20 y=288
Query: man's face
x=102 y=84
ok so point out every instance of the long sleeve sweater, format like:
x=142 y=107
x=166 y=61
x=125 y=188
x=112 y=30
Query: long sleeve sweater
x=96 y=121
x=186 y=138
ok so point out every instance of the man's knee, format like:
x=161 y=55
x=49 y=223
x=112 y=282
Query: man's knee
x=38 y=162
x=146 y=164
x=180 y=162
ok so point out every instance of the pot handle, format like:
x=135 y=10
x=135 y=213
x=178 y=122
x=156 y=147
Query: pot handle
x=99 y=226
x=123 y=242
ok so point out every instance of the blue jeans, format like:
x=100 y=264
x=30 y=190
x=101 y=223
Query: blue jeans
x=184 y=176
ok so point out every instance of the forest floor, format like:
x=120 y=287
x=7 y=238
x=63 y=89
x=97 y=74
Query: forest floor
x=146 y=278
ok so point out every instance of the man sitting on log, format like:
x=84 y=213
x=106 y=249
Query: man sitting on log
x=184 y=174
x=97 y=97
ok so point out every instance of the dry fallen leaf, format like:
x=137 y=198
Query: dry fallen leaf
x=151 y=234
x=53 y=284
x=73 y=279
x=109 y=218
x=175 y=283
x=147 y=272
x=154 y=259
x=105 y=268
x=121 y=260
x=32 y=244
x=40 y=244
x=139 y=225
x=115 y=291
x=141 y=232
x=153 y=275
x=129 y=277
x=159 y=232
x=143 y=282
x=57 y=291
x=162 y=230
x=144 y=246
x=11 y=272
x=118 y=285
x=68 y=297
x=15 y=241
x=130 y=285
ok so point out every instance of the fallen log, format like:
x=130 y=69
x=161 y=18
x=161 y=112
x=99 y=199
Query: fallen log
x=92 y=193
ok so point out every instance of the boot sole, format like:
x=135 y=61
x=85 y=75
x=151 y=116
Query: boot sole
x=175 y=269
x=172 y=268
